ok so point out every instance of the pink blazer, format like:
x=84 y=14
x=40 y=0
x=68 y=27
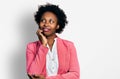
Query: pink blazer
x=67 y=58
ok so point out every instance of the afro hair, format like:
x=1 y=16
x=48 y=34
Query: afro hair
x=61 y=16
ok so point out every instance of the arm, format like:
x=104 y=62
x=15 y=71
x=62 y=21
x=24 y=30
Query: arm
x=35 y=60
x=74 y=70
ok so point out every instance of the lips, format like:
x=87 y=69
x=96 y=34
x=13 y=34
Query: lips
x=46 y=29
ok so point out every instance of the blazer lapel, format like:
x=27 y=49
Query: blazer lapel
x=61 y=50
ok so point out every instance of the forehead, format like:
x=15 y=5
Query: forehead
x=49 y=15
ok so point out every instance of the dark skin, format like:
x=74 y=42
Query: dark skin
x=46 y=34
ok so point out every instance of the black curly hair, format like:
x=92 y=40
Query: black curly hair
x=61 y=16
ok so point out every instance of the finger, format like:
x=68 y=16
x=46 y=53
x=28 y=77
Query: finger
x=39 y=31
x=31 y=76
x=36 y=76
x=41 y=34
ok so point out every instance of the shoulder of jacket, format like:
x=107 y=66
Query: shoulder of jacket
x=67 y=42
x=33 y=43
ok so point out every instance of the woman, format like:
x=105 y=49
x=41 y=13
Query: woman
x=51 y=57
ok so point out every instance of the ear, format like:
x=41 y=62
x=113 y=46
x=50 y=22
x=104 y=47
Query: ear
x=58 y=26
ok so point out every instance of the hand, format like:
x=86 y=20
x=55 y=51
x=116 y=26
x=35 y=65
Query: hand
x=36 y=76
x=41 y=37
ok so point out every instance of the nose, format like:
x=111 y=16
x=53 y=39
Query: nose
x=46 y=23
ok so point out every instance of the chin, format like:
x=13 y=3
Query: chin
x=47 y=35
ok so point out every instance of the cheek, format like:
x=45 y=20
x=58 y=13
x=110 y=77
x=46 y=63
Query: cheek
x=41 y=24
x=53 y=26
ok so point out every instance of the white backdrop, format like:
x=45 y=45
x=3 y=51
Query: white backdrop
x=94 y=27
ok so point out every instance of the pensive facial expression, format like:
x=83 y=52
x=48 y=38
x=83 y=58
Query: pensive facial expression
x=49 y=23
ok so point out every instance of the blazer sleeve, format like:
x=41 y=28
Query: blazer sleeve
x=74 y=70
x=35 y=61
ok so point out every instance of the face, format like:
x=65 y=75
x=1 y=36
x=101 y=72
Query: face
x=48 y=23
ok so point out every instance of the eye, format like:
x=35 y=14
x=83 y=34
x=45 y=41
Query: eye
x=42 y=20
x=51 y=21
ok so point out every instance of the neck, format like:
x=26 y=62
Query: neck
x=51 y=38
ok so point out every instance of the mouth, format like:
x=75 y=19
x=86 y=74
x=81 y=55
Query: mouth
x=46 y=29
